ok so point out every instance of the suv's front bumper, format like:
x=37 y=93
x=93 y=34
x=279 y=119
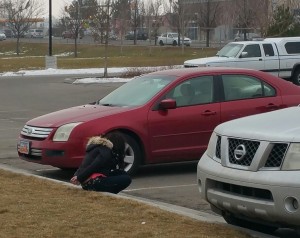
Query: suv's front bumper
x=270 y=196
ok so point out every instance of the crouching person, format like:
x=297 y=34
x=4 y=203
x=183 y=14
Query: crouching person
x=102 y=168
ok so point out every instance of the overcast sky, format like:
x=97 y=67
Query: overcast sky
x=57 y=6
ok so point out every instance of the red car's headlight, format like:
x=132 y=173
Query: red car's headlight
x=63 y=132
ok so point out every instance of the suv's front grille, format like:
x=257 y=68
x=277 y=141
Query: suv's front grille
x=36 y=132
x=218 y=148
x=250 y=149
x=248 y=192
x=276 y=156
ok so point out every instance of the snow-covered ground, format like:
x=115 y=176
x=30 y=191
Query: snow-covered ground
x=114 y=73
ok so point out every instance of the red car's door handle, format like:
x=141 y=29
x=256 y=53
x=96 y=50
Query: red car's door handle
x=272 y=106
x=208 y=113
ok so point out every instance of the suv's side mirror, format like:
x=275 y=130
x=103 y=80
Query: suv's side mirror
x=167 y=104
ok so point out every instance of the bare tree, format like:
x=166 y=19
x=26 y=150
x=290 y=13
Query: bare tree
x=98 y=21
x=21 y=15
x=134 y=19
x=180 y=18
x=208 y=13
x=100 y=25
x=121 y=13
x=74 y=21
x=154 y=18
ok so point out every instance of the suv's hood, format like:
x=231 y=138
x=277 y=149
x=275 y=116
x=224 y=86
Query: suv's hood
x=202 y=61
x=281 y=125
x=74 y=114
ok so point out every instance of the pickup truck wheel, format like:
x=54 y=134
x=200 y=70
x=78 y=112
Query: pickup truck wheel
x=296 y=77
x=133 y=155
x=174 y=43
x=161 y=43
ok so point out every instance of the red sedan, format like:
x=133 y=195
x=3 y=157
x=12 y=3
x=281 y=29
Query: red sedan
x=166 y=116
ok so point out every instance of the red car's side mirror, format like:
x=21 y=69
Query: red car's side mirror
x=167 y=104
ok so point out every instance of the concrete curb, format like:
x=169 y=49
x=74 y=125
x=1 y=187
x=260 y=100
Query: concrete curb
x=198 y=215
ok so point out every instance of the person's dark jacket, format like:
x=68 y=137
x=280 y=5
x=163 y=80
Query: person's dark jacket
x=98 y=159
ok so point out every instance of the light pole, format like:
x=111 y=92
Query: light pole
x=51 y=61
x=50 y=27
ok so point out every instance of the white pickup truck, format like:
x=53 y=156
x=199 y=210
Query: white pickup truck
x=278 y=56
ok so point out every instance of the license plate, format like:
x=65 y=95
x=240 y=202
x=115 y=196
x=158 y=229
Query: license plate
x=24 y=146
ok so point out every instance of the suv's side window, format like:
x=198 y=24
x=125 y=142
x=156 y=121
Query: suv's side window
x=237 y=87
x=193 y=91
x=252 y=50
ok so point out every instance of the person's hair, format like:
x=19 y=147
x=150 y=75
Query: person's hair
x=118 y=144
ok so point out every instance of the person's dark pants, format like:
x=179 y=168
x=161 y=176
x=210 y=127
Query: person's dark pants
x=117 y=181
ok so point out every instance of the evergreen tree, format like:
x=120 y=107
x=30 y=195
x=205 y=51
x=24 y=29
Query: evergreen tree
x=284 y=23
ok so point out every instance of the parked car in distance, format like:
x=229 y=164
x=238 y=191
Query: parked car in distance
x=71 y=35
x=68 y=34
x=9 y=33
x=34 y=33
x=2 y=36
x=139 y=36
x=173 y=39
x=165 y=116
x=250 y=173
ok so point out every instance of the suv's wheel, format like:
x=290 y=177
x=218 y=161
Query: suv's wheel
x=233 y=220
x=296 y=76
x=161 y=43
x=133 y=155
x=174 y=43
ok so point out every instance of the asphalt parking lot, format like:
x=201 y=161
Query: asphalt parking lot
x=23 y=98
x=26 y=98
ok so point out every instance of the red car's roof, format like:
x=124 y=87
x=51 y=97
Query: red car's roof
x=190 y=71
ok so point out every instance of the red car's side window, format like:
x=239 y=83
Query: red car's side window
x=237 y=87
x=193 y=91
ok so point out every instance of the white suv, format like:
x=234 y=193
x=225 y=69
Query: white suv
x=173 y=39
x=2 y=36
x=35 y=33
x=250 y=173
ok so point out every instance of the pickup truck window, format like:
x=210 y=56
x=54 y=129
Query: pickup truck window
x=292 y=47
x=268 y=48
x=230 y=50
x=252 y=50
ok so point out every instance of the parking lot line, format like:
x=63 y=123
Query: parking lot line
x=162 y=187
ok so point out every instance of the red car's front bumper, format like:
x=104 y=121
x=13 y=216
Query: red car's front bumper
x=58 y=154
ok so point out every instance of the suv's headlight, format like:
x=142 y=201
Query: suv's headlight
x=292 y=158
x=211 y=148
x=63 y=132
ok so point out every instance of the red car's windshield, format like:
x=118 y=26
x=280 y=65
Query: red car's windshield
x=138 y=91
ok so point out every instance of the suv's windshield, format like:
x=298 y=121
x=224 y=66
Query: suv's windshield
x=137 y=92
x=230 y=50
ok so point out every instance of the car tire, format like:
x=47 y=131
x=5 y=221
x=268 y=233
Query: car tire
x=133 y=155
x=174 y=43
x=296 y=77
x=233 y=220
x=161 y=43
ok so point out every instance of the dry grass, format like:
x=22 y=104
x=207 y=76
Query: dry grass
x=92 y=56
x=32 y=207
